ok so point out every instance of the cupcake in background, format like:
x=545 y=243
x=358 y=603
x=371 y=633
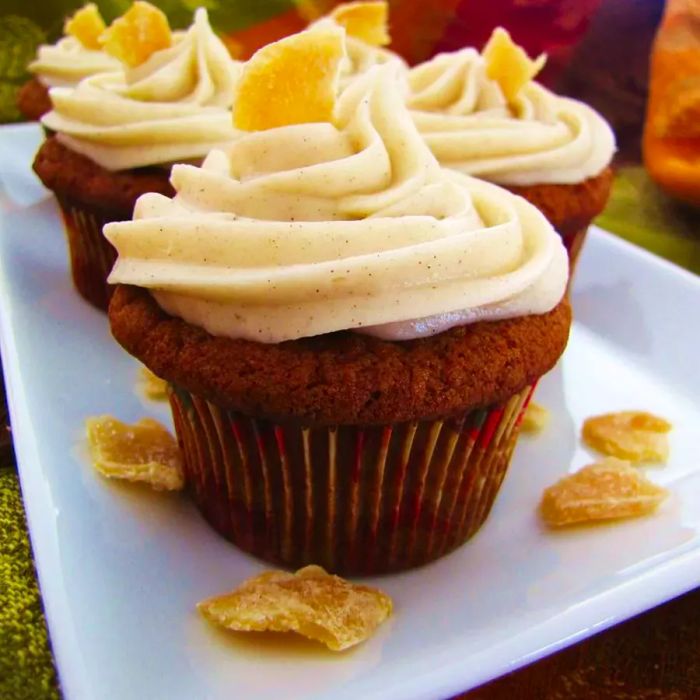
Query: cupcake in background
x=77 y=55
x=366 y=25
x=350 y=332
x=483 y=114
x=117 y=134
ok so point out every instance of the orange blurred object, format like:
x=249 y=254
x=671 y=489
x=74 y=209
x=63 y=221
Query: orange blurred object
x=671 y=142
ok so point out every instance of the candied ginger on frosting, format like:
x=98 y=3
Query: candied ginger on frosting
x=305 y=229
x=173 y=107
x=484 y=116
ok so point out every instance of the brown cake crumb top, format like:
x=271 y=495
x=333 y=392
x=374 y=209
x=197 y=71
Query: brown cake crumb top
x=570 y=207
x=72 y=175
x=344 y=377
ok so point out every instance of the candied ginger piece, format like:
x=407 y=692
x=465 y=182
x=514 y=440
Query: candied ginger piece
x=367 y=21
x=535 y=418
x=508 y=64
x=144 y=452
x=607 y=490
x=141 y=31
x=153 y=386
x=291 y=81
x=310 y=602
x=86 y=25
x=632 y=435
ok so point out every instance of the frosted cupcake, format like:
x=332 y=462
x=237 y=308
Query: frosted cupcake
x=75 y=56
x=117 y=134
x=366 y=24
x=349 y=331
x=483 y=115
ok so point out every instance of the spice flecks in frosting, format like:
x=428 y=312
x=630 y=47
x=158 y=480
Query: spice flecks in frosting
x=311 y=228
x=173 y=107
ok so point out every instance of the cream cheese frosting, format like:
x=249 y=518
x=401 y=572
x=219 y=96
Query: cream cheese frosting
x=466 y=121
x=173 y=107
x=312 y=228
x=362 y=56
x=67 y=62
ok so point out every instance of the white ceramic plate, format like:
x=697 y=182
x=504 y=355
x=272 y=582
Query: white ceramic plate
x=121 y=568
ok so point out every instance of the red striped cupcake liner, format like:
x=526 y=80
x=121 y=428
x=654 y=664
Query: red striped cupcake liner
x=356 y=500
x=91 y=254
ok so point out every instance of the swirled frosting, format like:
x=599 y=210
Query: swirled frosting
x=67 y=62
x=468 y=125
x=307 y=229
x=173 y=107
x=362 y=56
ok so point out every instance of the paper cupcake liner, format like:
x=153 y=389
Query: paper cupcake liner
x=356 y=500
x=91 y=254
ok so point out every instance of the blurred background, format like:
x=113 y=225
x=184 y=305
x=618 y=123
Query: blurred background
x=583 y=38
x=598 y=51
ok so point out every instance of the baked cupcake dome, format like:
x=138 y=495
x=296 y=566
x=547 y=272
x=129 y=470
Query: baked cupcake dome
x=271 y=293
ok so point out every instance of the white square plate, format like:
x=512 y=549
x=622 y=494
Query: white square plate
x=121 y=568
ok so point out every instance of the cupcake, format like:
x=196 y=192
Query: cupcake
x=76 y=56
x=116 y=134
x=483 y=115
x=350 y=332
x=366 y=24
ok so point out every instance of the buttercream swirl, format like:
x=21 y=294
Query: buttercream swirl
x=308 y=229
x=468 y=125
x=173 y=107
x=67 y=62
x=362 y=56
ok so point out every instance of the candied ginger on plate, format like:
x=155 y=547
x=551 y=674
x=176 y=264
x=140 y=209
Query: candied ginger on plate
x=535 y=418
x=607 y=490
x=153 y=386
x=291 y=81
x=86 y=25
x=145 y=452
x=141 y=31
x=508 y=64
x=310 y=602
x=367 y=21
x=636 y=436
